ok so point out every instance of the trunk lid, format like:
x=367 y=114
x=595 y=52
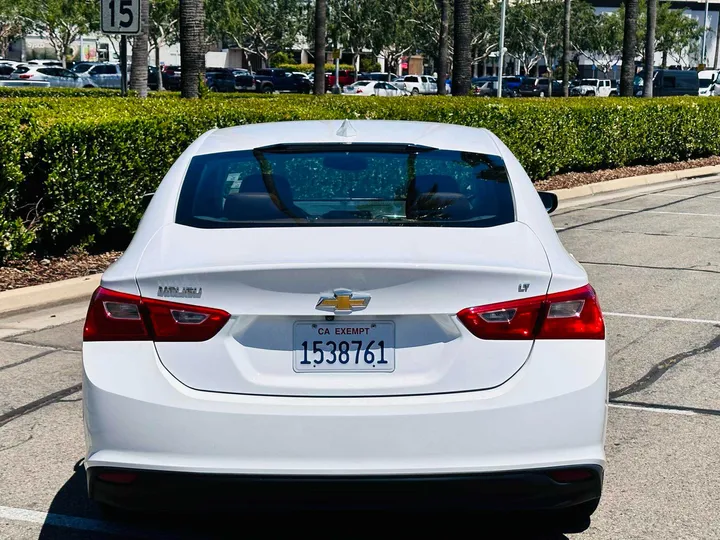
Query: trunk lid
x=271 y=280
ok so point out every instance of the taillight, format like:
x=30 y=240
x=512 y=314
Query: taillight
x=116 y=316
x=25 y=76
x=573 y=314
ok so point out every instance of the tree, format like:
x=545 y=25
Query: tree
x=164 y=17
x=566 y=49
x=650 y=47
x=320 y=38
x=442 y=65
x=485 y=26
x=461 y=54
x=62 y=22
x=13 y=23
x=600 y=38
x=139 y=66
x=627 y=73
x=192 y=46
x=258 y=27
x=358 y=25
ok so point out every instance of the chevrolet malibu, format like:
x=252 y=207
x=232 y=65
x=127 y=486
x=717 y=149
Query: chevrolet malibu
x=363 y=313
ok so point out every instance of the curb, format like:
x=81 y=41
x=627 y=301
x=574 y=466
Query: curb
x=588 y=190
x=49 y=294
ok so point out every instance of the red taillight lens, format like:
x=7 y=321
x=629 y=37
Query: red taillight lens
x=25 y=76
x=566 y=476
x=115 y=316
x=573 y=314
x=117 y=477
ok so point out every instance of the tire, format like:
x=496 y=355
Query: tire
x=575 y=519
x=415 y=92
x=267 y=89
x=590 y=94
x=88 y=86
x=542 y=94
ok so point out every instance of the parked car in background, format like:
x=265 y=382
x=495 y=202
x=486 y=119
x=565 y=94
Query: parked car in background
x=708 y=81
x=55 y=76
x=374 y=88
x=171 y=77
x=417 y=84
x=377 y=76
x=6 y=70
x=347 y=76
x=273 y=80
x=98 y=74
x=220 y=80
x=488 y=88
x=12 y=63
x=670 y=82
x=540 y=87
x=48 y=63
x=592 y=87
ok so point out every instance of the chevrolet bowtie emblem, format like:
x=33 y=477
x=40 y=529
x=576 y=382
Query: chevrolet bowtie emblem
x=343 y=301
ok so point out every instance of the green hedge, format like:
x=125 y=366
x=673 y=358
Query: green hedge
x=74 y=169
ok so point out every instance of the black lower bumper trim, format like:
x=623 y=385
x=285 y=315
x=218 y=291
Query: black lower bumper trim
x=533 y=490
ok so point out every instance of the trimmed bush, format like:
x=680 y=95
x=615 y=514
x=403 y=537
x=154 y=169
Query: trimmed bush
x=309 y=68
x=74 y=169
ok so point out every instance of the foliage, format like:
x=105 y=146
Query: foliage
x=280 y=58
x=74 y=172
x=308 y=68
x=368 y=65
x=13 y=24
x=601 y=39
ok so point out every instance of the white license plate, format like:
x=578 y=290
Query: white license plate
x=344 y=346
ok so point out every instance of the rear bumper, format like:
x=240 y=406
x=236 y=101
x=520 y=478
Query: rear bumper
x=551 y=413
x=533 y=490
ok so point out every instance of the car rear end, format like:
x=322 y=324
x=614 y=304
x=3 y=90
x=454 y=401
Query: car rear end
x=378 y=321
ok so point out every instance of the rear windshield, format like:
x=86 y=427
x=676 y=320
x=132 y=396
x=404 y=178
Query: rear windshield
x=345 y=185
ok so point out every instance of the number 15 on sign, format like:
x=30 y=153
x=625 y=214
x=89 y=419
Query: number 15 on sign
x=120 y=16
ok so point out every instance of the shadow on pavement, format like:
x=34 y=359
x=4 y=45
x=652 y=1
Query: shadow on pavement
x=72 y=516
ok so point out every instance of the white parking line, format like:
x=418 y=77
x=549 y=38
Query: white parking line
x=636 y=211
x=77 y=523
x=662 y=318
x=652 y=409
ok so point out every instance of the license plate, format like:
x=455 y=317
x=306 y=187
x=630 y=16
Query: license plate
x=346 y=347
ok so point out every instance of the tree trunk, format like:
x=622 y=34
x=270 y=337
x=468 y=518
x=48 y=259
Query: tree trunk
x=139 y=66
x=650 y=47
x=627 y=72
x=320 y=37
x=461 y=56
x=566 y=51
x=157 y=65
x=443 y=45
x=192 y=47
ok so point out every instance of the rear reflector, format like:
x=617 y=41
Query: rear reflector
x=118 y=477
x=116 y=316
x=566 y=476
x=573 y=314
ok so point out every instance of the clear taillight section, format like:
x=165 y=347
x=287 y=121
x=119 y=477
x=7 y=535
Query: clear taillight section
x=116 y=316
x=573 y=314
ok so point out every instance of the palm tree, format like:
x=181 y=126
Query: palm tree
x=192 y=46
x=650 y=47
x=461 y=53
x=320 y=37
x=627 y=73
x=139 y=66
x=566 y=50
x=443 y=45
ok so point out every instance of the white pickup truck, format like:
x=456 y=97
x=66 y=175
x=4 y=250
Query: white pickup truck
x=417 y=84
x=594 y=87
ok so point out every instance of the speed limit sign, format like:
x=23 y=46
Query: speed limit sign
x=120 y=16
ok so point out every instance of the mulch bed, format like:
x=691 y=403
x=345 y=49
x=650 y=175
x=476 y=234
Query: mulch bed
x=568 y=180
x=35 y=271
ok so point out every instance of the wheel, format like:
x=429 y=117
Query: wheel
x=267 y=89
x=415 y=92
x=590 y=94
x=214 y=89
x=88 y=86
x=542 y=94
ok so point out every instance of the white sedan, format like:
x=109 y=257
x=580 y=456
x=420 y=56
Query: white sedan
x=373 y=88
x=369 y=312
x=54 y=76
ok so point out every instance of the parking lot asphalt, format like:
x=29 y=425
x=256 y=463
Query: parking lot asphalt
x=654 y=259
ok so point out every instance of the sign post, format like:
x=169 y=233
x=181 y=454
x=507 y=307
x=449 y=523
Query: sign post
x=336 y=57
x=121 y=17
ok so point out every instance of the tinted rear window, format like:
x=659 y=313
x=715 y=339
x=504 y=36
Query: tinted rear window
x=345 y=185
